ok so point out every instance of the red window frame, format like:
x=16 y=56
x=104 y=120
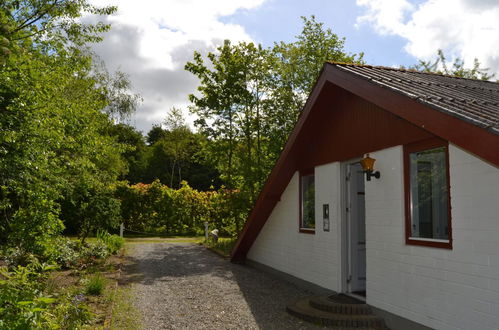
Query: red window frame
x=303 y=173
x=415 y=147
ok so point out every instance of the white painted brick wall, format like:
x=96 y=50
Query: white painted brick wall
x=440 y=288
x=443 y=289
x=280 y=245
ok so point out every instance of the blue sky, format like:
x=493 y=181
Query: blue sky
x=279 y=20
x=151 y=40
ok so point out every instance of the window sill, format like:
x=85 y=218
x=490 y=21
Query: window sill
x=307 y=231
x=439 y=243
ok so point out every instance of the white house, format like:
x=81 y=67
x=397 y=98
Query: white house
x=420 y=241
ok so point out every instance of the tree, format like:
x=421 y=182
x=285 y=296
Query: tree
x=249 y=99
x=230 y=108
x=177 y=136
x=121 y=102
x=179 y=154
x=135 y=152
x=53 y=126
x=457 y=68
x=155 y=134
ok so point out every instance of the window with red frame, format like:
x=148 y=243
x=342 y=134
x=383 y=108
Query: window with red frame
x=307 y=201
x=427 y=200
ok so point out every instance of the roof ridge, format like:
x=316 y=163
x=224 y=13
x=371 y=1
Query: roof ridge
x=403 y=69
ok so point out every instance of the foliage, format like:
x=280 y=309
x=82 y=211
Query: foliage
x=95 y=285
x=125 y=316
x=158 y=208
x=22 y=303
x=71 y=312
x=90 y=206
x=249 y=99
x=63 y=251
x=174 y=154
x=155 y=134
x=223 y=245
x=66 y=253
x=54 y=143
x=134 y=154
x=29 y=300
x=457 y=68
x=113 y=243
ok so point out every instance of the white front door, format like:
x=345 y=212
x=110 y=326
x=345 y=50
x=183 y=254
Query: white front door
x=356 y=229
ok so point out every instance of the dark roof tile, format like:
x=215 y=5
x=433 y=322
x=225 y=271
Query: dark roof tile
x=475 y=101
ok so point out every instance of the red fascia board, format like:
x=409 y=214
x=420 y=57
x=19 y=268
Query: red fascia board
x=457 y=131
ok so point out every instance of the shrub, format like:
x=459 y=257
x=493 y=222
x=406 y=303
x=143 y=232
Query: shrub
x=18 y=257
x=156 y=207
x=22 y=304
x=71 y=313
x=95 y=285
x=97 y=250
x=62 y=251
x=114 y=243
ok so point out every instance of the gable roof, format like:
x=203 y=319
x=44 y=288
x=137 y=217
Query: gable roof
x=462 y=111
x=475 y=101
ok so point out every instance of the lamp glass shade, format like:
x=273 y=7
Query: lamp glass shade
x=367 y=163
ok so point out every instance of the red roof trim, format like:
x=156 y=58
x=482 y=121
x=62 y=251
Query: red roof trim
x=466 y=135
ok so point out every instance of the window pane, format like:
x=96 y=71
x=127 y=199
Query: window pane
x=429 y=196
x=308 y=201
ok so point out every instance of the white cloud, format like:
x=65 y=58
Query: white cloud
x=151 y=40
x=462 y=28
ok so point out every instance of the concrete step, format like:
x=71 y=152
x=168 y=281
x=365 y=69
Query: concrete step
x=303 y=309
x=340 y=304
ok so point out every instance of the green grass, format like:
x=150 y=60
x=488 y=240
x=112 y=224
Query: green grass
x=95 y=285
x=178 y=239
x=224 y=245
x=124 y=315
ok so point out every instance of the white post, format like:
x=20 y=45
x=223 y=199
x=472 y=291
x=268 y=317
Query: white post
x=206 y=231
x=122 y=227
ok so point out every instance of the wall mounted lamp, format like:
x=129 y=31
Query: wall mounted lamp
x=368 y=167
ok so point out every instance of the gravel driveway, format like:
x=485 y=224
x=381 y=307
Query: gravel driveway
x=185 y=286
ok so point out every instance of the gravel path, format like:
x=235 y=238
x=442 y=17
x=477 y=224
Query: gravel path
x=185 y=286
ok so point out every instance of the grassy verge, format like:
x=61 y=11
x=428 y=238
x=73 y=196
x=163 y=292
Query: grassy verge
x=123 y=315
x=80 y=292
x=179 y=239
x=154 y=239
x=223 y=246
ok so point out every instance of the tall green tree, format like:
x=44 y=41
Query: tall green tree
x=249 y=99
x=179 y=154
x=230 y=108
x=135 y=152
x=54 y=142
x=155 y=134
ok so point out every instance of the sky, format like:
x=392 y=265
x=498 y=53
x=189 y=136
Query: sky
x=151 y=40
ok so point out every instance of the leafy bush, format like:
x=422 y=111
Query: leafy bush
x=16 y=256
x=63 y=251
x=162 y=210
x=72 y=312
x=95 y=284
x=114 y=243
x=68 y=253
x=97 y=250
x=22 y=303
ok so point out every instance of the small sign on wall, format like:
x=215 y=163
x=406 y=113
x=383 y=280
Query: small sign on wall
x=325 y=217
